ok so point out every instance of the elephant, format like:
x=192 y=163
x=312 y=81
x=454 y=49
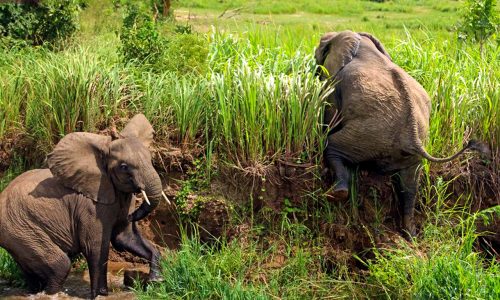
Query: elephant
x=384 y=116
x=81 y=203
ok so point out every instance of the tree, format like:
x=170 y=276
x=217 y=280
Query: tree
x=163 y=5
x=479 y=21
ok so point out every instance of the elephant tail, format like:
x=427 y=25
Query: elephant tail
x=472 y=145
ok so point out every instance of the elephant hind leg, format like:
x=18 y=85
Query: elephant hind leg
x=58 y=272
x=406 y=184
x=336 y=163
x=45 y=269
x=128 y=238
x=33 y=282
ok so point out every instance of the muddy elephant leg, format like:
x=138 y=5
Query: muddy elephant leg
x=58 y=273
x=45 y=272
x=33 y=281
x=406 y=184
x=128 y=238
x=335 y=162
x=97 y=260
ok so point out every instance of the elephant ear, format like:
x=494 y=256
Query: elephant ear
x=377 y=44
x=323 y=48
x=336 y=50
x=139 y=127
x=79 y=162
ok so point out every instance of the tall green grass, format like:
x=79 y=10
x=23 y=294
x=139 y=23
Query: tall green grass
x=264 y=116
x=257 y=104
x=443 y=264
x=286 y=264
x=177 y=107
x=51 y=94
x=463 y=86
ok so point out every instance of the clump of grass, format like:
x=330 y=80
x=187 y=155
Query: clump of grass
x=265 y=116
x=442 y=265
x=8 y=268
x=463 y=88
x=201 y=272
x=283 y=262
x=58 y=93
x=177 y=107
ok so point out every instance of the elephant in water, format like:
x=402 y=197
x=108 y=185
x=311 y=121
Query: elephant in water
x=384 y=115
x=81 y=204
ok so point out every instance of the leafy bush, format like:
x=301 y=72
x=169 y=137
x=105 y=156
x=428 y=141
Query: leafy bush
x=143 y=45
x=479 y=21
x=186 y=53
x=46 y=23
x=141 y=40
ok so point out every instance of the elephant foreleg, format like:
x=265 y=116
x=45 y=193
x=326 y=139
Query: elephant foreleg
x=406 y=188
x=97 y=260
x=335 y=162
x=128 y=238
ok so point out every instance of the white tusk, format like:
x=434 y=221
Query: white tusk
x=166 y=198
x=145 y=197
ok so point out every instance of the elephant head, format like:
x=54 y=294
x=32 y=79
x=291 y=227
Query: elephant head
x=100 y=168
x=341 y=48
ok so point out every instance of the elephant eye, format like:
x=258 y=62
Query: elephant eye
x=123 y=167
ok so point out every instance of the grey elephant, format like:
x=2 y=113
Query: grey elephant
x=384 y=115
x=81 y=204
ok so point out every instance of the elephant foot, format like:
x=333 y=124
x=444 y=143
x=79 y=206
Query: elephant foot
x=409 y=230
x=155 y=277
x=132 y=277
x=340 y=192
x=103 y=291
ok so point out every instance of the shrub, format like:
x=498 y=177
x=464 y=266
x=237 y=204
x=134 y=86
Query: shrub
x=479 y=21
x=141 y=40
x=186 y=53
x=49 y=22
x=181 y=51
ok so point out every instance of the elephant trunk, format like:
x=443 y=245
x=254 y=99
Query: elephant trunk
x=152 y=193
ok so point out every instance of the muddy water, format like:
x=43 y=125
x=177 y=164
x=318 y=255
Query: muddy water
x=77 y=285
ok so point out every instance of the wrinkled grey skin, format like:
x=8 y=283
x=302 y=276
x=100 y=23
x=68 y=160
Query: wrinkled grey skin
x=80 y=205
x=385 y=115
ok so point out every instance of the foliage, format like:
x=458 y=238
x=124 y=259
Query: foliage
x=141 y=40
x=285 y=265
x=9 y=269
x=186 y=52
x=180 y=51
x=59 y=93
x=434 y=273
x=49 y=23
x=479 y=21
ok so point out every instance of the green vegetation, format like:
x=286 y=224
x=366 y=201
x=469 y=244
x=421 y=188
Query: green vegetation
x=433 y=269
x=479 y=21
x=236 y=80
x=49 y=22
